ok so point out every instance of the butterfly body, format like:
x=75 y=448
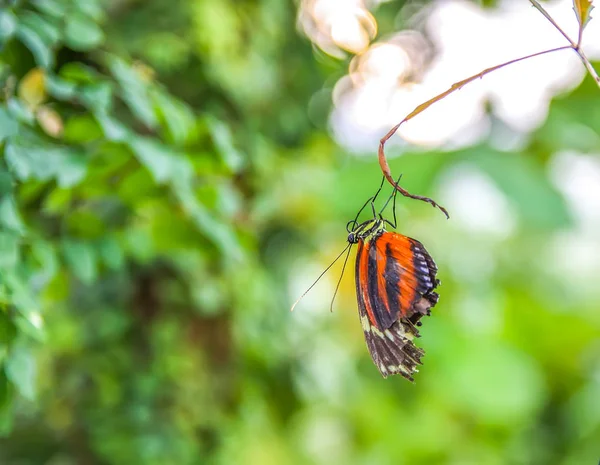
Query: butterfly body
x=395 y=283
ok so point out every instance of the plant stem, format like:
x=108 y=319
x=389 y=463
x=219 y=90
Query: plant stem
x=588 y=66
x=540 y=8
x=575 y=46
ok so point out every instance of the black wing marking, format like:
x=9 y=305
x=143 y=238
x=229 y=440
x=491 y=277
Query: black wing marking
x=392 y=350
x=400 y=279
x=427 y=282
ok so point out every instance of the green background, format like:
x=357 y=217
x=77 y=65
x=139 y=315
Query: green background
x=167 y=191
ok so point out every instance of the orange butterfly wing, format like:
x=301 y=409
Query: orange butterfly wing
x=395 y=282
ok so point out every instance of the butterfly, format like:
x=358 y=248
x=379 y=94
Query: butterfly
x=395 y=287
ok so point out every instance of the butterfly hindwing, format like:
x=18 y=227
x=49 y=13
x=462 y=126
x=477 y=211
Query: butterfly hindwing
x=392 y=350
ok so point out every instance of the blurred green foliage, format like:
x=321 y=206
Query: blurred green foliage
x=163 y=194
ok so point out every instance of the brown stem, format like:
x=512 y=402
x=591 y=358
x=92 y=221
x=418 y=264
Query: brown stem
x=388 y=175
x=541 y=9
x=575 y=46
x=588 y=66
x=385 y=168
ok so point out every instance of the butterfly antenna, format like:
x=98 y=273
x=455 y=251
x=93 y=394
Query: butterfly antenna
x=341 y=276
x=320 y=276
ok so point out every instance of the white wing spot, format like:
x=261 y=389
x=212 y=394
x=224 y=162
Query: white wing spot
x=375 y=331
x=366 y=324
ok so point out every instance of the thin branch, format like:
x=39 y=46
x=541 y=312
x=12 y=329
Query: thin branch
x=575 y=46
x=540 y=8
x=385 y=168
x=588 y=66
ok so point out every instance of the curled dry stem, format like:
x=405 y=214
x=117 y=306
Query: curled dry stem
x=385 y=168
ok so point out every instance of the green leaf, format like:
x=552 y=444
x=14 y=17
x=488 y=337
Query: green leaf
x=40 y=49
x=138 y=185
x=48 y=32
x=223 y=140
x=81 y=129
x=97 y=97
x=181 y=170
x=30 y=324
x=21 y=369
x=163 y=163
x=70 y=168
x=6 y=183
x=21 y=293
x=9 y=250
x=167 y=51
x=133 y=91
x=8 y=25
x=8 y=331
x=56 y=8
x=140 y=244
x=43 y=162
x=20 y=111
x=111 y=253
x=154 y=156
x=45 y=254
x=6 y=402
x=79 y=73
x=60 y=88
x=178 y=117
x=81 y=258
x=85 y=223
x=91 y=8
x=57 y=202
x=28 y=320
x=113 y=129
x=9 y=215
x=219 y=233
x=8 y=125
x=82 y=33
